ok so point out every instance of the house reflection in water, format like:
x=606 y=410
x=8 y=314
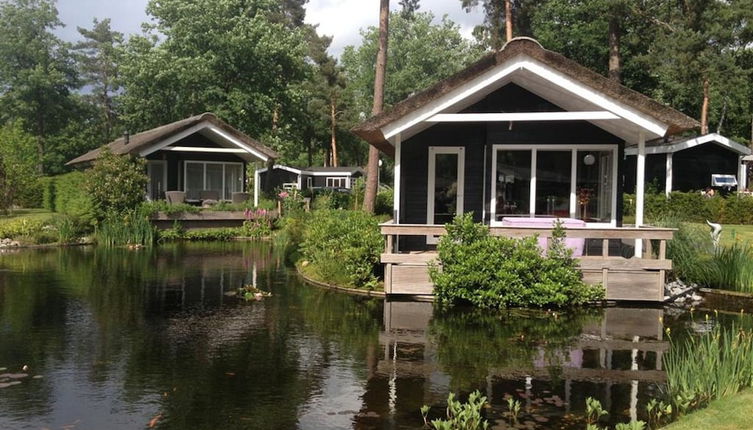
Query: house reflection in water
x=550 y=363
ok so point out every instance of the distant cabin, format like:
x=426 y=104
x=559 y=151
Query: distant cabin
x=307 y=178
x=202 y=157
x=690 y=164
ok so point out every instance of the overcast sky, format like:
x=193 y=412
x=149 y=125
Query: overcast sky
x=341 y=19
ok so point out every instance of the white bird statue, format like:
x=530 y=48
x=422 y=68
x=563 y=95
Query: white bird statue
x=716 y=232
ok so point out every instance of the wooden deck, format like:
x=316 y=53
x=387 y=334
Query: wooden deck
x=625 y=279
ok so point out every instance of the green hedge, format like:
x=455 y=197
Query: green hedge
x=343 y=246
x=67 y=194
x=693 y=207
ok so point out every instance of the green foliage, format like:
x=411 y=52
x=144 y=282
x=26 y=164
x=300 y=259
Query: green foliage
x=594 y=411
x=712 y=365
x=127 y=227
x=420 y=53
x=658 y=413
x=460 y=416
x=694 y=207
x=384 y=201
x=18 y=171
x=197 y=57
x=70 y=196
x=155 y=206
x=343 y=246
x=20 y=227
x=116 y=183
x=499 y=272
x=37 y=73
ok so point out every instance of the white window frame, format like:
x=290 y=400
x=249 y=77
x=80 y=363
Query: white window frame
x=329 y=181
x=309 y=182
x=433 y=151
x=573 y=177
x=149 y=164
x=204 y=166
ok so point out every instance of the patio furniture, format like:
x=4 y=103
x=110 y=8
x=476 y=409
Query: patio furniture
x=175 y=197
x=239 y=198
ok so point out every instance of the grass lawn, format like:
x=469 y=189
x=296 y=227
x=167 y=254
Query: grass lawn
x=35 y=214
x=732 y=413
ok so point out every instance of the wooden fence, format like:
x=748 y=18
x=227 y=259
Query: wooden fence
x=604 y=258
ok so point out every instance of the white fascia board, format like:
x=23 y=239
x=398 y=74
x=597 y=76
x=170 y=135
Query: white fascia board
x=523 y=116
x=172 y=139
x=690 y=143
x=326 y=173
x=523 y=62
x=281 y=167
x=453 y=97
x=204 y=149
x=231 y=139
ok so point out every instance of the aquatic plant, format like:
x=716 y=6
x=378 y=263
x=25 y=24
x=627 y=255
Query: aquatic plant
x=513 y=409
x=657 y=412
x=460 y=416
x=594 y=413
x=130 y=227
x=705 y=367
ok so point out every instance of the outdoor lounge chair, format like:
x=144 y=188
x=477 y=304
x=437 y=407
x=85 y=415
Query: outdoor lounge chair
x=175 y=197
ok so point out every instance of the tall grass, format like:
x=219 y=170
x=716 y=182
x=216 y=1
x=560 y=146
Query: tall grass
x=710 y=366
x=695 y=260
x=126 y=228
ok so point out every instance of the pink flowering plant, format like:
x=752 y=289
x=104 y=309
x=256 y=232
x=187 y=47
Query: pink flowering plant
x=258 y=223
x=291 y=201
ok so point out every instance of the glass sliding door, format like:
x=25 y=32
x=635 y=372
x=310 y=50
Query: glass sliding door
x=156 y=170
x=553 y=169
x=194 y=180
x=222 y=178
x=444 y=185
x=594 y=185
x=513 y=192
x=563 y=181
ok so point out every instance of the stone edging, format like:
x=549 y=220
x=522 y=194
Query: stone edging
x=732 y=301
x=353 y=291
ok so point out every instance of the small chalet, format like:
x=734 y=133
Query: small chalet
x=307 y=178
x=201 y=156
x=520 y=138
x=690 y=164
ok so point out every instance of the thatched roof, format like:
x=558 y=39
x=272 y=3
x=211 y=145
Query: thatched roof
x=370 y=130
x=143 y=140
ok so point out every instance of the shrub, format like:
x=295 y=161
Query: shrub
x=499 y=272
x=384 y=200
x=331 y=199
x=18 y=165
x=116 y=183
x=20 y=227
x=155 y=206
x=343 y=246
x=258 y=223
x=70 y=196
x=694 y=207
x=47 y=184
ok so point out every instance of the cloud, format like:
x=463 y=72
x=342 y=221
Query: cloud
x=342 y=19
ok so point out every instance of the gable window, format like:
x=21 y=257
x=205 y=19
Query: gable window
x=564 y=181
x=333 y=182
x=222 y=178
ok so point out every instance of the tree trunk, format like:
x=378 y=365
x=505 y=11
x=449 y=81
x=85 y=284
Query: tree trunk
x=372 y=168
x=705 y=108
x=508 y=20
x=333 y=122
x=615 y=66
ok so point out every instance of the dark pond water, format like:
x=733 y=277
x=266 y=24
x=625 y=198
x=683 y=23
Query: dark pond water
x=119 y=339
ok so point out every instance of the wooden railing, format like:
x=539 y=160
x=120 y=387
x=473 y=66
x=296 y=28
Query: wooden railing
x=625 y=278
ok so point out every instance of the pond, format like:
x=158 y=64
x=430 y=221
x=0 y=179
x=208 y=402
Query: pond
x=122 y=339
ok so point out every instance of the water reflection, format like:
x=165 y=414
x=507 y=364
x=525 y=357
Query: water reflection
x=122 y=337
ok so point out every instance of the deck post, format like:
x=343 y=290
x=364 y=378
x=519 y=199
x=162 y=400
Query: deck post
x=256 y=188
x=396 y=184
x=668 y=183
x=640 y=179
x=742 y=179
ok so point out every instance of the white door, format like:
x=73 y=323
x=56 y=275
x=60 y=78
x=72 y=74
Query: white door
x=445 y=185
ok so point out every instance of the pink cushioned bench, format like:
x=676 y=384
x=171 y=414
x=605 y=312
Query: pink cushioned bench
x=575 y=244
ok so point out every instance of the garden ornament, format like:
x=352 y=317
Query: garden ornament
x=716 y=232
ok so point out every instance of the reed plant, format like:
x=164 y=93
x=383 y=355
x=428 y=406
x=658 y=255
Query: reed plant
x=709 y=366
x=130 y=227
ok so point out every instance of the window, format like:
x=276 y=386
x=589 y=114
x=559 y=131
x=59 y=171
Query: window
x=335 y=182
x=225 y=178
x=575 y=181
